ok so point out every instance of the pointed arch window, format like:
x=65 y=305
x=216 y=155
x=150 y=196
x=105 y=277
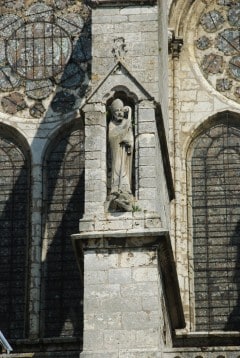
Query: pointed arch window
x=14 y=235
x=215 y=172
x=62 y=289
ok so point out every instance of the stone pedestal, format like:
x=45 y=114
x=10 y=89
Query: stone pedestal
x=125 y=291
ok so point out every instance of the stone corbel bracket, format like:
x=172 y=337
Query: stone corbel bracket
x=175 y=44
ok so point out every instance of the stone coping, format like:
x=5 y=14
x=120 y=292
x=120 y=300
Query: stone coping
x=122 y=353
x=58 y=353
x=97 y=3
x=204 y=352
x=206 y=339
x=208 y=333
x=120 y=222
x=121 y=233
x=16 y=355
x=44 y=346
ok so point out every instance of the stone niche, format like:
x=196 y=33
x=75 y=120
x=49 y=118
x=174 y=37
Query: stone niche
x=120 y=154
x=126 y=186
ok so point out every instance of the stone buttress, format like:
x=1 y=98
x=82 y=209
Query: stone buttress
x=131 y=296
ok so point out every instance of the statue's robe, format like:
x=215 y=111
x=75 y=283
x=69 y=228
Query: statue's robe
x=121 y=144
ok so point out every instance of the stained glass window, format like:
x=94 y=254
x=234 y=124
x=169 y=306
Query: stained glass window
x=62 y=287
x=216 y=228
x=14 y=226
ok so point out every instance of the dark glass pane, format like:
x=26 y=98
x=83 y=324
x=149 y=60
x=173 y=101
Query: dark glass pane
x=62 y=288
x=14 y=189
x=216 y=228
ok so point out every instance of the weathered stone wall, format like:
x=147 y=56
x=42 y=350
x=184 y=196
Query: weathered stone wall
x=128 y=34
x=131 y=300
x=152 y=185
x=123 y=296
x=124 y=304
x=163 y=62
x=138 y=27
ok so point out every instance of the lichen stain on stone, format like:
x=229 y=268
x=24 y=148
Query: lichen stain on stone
x=152 y=257
x=95 y=77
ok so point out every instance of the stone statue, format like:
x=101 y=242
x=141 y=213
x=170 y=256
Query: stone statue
x=121 y=141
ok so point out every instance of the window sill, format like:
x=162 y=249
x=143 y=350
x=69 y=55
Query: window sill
x=206 y=338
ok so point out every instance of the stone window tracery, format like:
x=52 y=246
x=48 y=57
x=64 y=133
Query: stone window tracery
x=215 y=168
x=45 y=55
x=217 y=46
x=61 y=288
x=14 y=228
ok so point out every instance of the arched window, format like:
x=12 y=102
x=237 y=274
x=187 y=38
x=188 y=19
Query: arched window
x=14 y=234
x=64 y=203
x=215 y=201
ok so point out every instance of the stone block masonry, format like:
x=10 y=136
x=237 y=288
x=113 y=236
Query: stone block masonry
x=118 y=284
x=138 y=26
x=124 y=281
x=129 y=280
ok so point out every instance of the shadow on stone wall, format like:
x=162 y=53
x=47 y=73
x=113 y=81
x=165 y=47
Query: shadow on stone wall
x=61 y=287
x=62 y=293
x=63 y=183
x=14 y=233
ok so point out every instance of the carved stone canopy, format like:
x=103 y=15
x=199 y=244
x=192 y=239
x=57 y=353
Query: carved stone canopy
x=117 y=80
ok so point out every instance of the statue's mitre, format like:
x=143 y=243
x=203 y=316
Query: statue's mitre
x=116 y=104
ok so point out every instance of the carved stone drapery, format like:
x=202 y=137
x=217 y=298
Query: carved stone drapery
x=120 y=136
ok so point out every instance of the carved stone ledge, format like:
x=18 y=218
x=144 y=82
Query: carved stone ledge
x=120 y=222
x=228 y=340
x=97 y=3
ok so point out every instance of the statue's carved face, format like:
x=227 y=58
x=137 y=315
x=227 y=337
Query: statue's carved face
x=117 y=109
x=118 y=114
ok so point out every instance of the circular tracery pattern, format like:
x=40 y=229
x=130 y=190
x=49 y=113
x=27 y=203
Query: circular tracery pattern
x=39 y=50
x=8 y=24
x=228 y=41
x=8 y=79
x=234 y=15
x=218 y=46
x=39 y=12
x=234 y=67
x=44 y=49
x=212 y=20
x=72 y=23
x=38 y=89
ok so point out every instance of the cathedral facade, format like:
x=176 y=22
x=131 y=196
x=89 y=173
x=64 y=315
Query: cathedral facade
x=120 y=159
